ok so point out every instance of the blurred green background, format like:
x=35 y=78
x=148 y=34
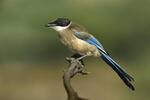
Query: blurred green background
x=32 y=57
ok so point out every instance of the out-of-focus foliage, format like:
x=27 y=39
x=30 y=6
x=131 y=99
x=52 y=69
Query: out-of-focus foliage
x=122 y=26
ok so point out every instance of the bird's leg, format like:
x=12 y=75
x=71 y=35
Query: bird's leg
x=79 y=59
x=76 y=56
x=82 y=57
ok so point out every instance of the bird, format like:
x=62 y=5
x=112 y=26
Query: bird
x=84 y=44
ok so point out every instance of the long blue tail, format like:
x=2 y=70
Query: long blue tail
x=122 y=73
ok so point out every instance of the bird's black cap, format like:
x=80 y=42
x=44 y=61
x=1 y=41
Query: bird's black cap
x=59 y=22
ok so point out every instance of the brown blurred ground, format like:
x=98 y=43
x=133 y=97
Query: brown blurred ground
x=44 y=82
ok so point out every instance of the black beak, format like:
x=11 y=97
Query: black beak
x=50 y=25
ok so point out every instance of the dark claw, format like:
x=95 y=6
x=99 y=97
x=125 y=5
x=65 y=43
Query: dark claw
x=78 y=56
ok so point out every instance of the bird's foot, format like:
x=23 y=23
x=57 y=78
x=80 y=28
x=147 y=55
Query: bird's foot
x=74 y=60
x=84 y=72
x=79 y=65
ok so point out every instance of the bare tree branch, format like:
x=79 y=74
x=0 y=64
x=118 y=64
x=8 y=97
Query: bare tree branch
x=74 y=67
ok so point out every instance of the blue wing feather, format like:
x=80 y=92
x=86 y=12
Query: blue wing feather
x=79 y=36
x=91 y=40
x=96 y=42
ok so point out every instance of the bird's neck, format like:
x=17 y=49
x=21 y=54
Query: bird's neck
x=66 y=36
x=66 y=33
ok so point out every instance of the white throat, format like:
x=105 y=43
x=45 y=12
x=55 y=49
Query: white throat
x=59 y=28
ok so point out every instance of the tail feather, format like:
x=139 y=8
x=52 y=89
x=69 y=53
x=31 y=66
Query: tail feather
x=121 y=72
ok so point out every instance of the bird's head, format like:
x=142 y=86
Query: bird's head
x=59 y=24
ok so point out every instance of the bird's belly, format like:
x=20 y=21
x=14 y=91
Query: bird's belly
x=79 y=46
x=83 y=47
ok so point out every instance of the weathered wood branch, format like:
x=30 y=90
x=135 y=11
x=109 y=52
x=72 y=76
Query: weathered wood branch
x=74 y=67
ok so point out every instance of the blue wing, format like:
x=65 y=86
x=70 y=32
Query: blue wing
x=117 y=68
x=90 y=39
